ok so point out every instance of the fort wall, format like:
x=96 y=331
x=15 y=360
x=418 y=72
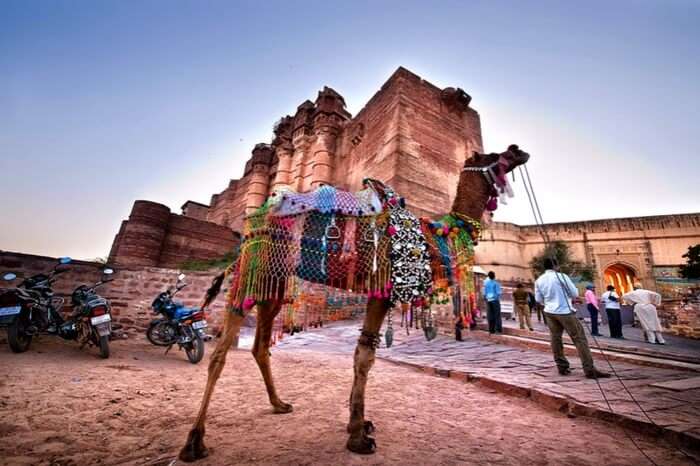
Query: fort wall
x=155 y=237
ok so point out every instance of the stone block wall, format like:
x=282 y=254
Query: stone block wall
x=130 y=293
x=681 y=317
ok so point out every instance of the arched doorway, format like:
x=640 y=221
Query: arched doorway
x=621 y=276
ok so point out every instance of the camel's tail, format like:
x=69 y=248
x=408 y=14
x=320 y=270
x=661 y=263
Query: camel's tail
x=213 y=290
x=215 y=287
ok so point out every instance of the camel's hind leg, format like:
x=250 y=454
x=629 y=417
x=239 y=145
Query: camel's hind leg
x=358 y=428
x=194 y=448
x=261 y=352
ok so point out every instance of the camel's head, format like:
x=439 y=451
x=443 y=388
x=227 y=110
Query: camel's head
x=508 y=160
x=476 y=188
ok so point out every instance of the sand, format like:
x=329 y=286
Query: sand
x=63 y=406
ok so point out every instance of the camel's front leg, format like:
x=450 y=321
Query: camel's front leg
x=358 y=428
x=261 y=352
x=194 y=448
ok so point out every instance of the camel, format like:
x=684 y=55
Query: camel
x=477 y=188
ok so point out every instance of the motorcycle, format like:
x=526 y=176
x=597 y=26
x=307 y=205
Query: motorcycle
x=179 y=325
x=30 y=308
x=91 y=321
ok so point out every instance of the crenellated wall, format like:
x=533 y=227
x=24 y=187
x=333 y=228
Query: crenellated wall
x=639 y=243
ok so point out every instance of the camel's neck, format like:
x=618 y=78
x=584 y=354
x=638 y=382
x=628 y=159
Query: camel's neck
x=473 y=193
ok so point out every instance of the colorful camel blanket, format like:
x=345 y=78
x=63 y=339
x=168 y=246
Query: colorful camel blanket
x=365 y=242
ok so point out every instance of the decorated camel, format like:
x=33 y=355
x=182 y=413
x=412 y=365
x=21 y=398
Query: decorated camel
x=367 y=242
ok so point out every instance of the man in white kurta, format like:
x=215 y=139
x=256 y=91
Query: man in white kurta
x=645 y=303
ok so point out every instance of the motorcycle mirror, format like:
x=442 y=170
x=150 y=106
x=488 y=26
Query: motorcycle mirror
x=9 y=276
x=65 y=260
x=108 y=271
x=181 y=277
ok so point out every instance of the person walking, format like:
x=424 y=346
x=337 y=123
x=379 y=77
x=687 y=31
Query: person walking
x=555 y=290
x=645 y=303
x=520 y=300
x=593 y=307
x=611 y=301
x=492 y=295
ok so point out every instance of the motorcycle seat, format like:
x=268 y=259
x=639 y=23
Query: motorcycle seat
x=185 y=312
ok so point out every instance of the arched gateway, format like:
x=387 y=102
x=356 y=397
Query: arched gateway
x=621 y=276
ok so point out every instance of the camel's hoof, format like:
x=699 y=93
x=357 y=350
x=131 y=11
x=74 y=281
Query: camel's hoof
x=194 y=449
x=362 y=444
x=282 y=408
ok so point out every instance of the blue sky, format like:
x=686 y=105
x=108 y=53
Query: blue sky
x=102 y=103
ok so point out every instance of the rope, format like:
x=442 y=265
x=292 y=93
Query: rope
x=537 y=213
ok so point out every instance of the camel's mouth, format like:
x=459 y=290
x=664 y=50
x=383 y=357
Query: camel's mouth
x=504 y=163
x=515 y=157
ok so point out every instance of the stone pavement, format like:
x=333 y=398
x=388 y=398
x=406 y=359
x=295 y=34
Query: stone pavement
x=676 y=348
x=532 y=374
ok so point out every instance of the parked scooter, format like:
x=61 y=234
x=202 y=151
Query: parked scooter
x=30 y=308
x=179 y=324
x=91 y=321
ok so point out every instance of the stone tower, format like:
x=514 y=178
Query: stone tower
x=411 y=135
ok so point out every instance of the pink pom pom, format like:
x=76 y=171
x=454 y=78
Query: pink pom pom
x=391 y=231
x=388 y=285
x=248 y=303
x=492 y=204
x=393 y=201
x=446 y=230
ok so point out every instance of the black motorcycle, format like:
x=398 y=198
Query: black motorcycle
x=91 y=321
x=30 y=308
x=179 y=325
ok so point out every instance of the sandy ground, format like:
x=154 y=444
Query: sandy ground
x=63 y=406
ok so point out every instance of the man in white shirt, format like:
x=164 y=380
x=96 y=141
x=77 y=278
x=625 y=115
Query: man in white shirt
x=555 y=290
x=645 y=303
x=611 y=301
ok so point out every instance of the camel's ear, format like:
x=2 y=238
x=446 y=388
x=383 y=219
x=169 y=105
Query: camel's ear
x=513 y=148
x=473 y=159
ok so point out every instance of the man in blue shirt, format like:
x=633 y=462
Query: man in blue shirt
x=555 y=291
x=492 y=295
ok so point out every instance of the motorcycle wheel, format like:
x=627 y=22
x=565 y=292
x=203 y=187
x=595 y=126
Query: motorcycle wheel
x=195 y=349
x=18 y=340
x=161 y=333
x=104 y=346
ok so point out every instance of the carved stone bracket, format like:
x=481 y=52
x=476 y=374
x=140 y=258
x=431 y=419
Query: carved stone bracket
x=455 y=99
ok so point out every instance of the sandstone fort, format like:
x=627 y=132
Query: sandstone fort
x=415 y=137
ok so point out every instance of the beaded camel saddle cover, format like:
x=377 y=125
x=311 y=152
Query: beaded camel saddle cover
x=365 y=242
